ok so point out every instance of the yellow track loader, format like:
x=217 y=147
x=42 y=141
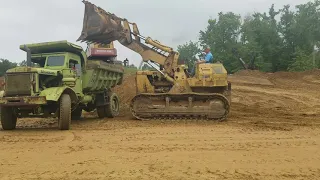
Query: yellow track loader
x=167 y=92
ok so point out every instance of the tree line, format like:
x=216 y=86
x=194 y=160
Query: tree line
x=5 y=64
x=285 y=39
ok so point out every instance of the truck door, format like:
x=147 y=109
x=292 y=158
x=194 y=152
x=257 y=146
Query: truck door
x=76 y=67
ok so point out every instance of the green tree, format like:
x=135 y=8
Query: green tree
x=23 y=63
x=308 y=25
x=188 y=53
x=300 y=30
x=5 y=65
x=302 y=62
x=260 y=34
x=287 y=28
x=281 y=40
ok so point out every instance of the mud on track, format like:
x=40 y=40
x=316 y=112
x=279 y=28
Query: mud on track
x=272 y=133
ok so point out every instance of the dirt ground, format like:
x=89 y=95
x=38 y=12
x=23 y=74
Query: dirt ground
x=273 y=132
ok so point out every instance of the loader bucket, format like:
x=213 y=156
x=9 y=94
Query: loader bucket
x=99 y=26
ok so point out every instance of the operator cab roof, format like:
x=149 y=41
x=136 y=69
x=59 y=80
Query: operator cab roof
x=56 y=46
x=51 y=47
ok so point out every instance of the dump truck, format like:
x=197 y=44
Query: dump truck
x=168 y=92
x=61 y=80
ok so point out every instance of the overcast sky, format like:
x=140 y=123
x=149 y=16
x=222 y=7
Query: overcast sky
x=172 y=22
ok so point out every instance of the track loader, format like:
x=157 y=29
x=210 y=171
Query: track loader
x=168 y=92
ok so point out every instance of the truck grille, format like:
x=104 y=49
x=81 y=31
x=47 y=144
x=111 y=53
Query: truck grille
x=18 y=84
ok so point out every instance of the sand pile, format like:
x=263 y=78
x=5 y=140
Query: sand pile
x=256 y=92
x=252 y=73
x=126 y=91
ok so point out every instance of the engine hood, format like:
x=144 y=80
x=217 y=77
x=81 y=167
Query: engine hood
x=34 y=70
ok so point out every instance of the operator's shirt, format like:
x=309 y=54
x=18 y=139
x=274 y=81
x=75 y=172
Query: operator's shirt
x=209 y=58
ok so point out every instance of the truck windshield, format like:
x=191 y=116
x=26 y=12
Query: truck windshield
x=55 y=61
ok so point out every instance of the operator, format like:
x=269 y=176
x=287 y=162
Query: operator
x=207 y=59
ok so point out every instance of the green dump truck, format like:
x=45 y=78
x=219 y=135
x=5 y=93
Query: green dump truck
x=59 y=81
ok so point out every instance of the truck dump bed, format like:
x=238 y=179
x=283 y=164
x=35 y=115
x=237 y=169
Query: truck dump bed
x=100 y=75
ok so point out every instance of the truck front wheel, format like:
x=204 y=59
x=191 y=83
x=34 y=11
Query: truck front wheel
x=8 y=118
x=64 y=112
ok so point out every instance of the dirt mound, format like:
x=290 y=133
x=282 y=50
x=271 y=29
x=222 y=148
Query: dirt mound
x=126 y=91
x=290 y=94
x=254 y=93
x=277 y=75
x=253 y=73
x=284 y=80
x=296 y=75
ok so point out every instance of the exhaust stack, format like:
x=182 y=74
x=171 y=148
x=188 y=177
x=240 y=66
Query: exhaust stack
x=29 y=64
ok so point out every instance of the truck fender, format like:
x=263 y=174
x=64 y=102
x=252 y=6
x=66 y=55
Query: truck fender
x=54 y=93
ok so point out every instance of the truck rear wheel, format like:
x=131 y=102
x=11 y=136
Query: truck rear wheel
x=8 y=118
x=64 y=112
x=113 y=108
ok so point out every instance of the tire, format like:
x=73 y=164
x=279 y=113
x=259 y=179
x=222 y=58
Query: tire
x=113 y=107
x=8 y=118
x=101 y=111
x=76 y=114
x=64 y=112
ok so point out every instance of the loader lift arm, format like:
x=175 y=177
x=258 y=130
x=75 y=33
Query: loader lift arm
x=102 y=27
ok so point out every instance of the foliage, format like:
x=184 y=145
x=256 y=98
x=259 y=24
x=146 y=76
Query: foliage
x=302 y=62
x=221 y=36
x=24 y=63
x=5 y=65
x=281 y=39
x=188 y=52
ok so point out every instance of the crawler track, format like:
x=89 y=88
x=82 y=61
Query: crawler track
x=191 y=106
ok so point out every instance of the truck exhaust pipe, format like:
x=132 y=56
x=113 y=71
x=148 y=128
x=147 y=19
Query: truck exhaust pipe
x=100 y=26
x=29 y=64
